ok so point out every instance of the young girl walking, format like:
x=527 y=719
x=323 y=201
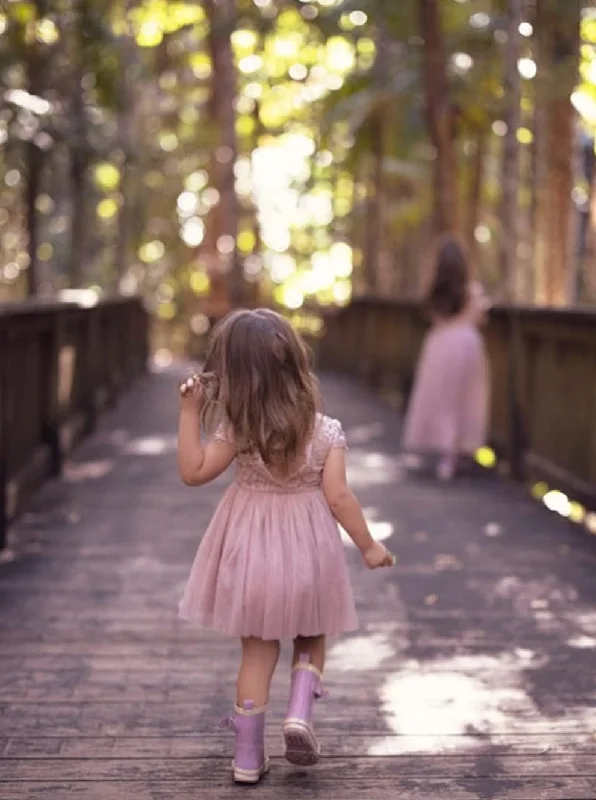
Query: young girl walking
x=448 y=410
x=271 y=564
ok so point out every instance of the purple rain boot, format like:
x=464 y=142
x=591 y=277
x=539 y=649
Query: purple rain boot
x=302 y=747
x=250 y=762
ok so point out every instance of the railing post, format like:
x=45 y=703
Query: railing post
x=517 y=433
x=145 y=334
x=114 y=343
x=137 y=340
x=53 y=410
x=92 y=369
x=69 y=357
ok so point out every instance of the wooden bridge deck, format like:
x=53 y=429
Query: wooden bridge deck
x=473 y=674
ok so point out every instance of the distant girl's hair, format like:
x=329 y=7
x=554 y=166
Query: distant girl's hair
x=257 y=381
x=448 y=292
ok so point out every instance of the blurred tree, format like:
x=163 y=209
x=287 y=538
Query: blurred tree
x=508 y=235
x=28 y=25
x=558 y=34
x=80 y=155
x=440 y=118
x=219 y=251
x=126 y=105
x=290 y=152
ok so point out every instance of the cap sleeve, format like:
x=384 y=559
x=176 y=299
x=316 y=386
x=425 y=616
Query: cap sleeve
x=335 y=434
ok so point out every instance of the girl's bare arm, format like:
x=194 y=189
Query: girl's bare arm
x=197 y=463
x=347 y=511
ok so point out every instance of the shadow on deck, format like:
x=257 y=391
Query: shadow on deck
x=472 y=675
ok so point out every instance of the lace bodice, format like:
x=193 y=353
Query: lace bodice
x=252 y=472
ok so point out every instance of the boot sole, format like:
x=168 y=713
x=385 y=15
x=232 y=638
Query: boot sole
x=302 y=747
x=250 y=775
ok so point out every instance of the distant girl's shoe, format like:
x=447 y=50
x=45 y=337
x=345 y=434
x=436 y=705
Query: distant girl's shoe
x=446 y=468
x=250 y=761
x=302 y=747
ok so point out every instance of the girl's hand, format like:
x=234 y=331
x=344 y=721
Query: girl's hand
x=378 y=556
x=190 y=391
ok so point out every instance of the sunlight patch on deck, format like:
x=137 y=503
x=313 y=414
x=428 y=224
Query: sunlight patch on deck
x=359 y=653
x=151 y=446
x=75 y=472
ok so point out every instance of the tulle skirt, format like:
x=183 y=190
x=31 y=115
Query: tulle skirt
x=271 y=565
x=448 y=411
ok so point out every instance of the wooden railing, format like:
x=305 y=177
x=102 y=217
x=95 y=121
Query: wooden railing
x=543 y=371
x=60 y=363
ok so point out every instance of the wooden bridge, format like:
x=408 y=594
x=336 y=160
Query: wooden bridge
x=472 y=675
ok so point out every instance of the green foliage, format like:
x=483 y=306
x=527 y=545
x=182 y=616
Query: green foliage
x=314 y=83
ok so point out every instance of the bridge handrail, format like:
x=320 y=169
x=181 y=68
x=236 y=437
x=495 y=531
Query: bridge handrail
x=60 y=364
x=543 y=368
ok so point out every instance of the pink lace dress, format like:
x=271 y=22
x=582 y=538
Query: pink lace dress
x=448 y=411
x=271 y=563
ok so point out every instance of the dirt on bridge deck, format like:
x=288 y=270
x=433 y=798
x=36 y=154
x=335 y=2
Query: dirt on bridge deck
x=473 y=674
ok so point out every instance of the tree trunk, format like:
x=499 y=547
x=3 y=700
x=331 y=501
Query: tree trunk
x=539 y=196
x=219 y=249
x=439 y=115
x=78 y=232
x=357 y=220
x=374 y=206
x=78 y=156
x=585 y=213
x=126 y=120
x=511 y=167
x=560 y=182
x=586 y=278
x=559 y=42
x=35 y=160
x=34 y=172
x=475 y=189
x=589 y=271
x=253 y=289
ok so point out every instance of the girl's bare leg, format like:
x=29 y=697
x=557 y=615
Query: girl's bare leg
x=259 y=659
x=314 y=646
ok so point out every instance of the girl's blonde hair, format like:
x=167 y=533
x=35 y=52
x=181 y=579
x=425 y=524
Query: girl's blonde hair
x=257 y=381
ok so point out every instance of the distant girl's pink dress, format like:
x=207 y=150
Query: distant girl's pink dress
x=448 y=411
x=271 y=563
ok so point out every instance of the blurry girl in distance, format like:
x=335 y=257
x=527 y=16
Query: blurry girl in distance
x=448 y=411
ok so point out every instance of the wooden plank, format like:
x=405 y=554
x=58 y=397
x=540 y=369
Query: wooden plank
x=478 y=650
x=169 y=664
x=185 y=648
x=351 y=769
x=111 y=685
x=349 y=743
x=302 y=786
x=118 y=620
x=117 y=719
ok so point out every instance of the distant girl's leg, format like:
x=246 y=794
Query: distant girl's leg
x=466 y=399
x=447 y=466
x=302 y=746
x=259 y=660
